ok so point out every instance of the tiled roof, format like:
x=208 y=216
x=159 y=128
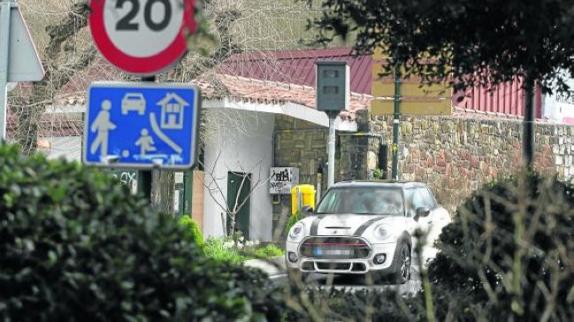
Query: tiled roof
x=215 y=86
x=242 y=88
x=298 y=66
x=246 y=89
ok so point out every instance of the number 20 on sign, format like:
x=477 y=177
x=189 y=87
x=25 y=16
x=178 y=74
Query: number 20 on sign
x=142 y=37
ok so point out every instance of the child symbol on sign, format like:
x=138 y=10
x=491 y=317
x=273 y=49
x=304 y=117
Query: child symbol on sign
x=145 y=142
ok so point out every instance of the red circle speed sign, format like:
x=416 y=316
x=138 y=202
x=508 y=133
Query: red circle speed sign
x=142 y=37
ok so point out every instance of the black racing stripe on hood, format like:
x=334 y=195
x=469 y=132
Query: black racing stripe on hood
x=315 y=225
x=359 y=232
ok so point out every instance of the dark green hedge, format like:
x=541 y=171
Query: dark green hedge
x=75 y=245
x=474 y=274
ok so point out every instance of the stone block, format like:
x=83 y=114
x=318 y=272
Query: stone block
x=406 y=128
x=474 y=162
x=420 y=171
x=559 y=160
x=440 y=169
x=555 y=149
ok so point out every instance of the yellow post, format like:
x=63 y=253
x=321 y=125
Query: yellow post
x=302 y=195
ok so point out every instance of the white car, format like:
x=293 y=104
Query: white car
x=366 y=228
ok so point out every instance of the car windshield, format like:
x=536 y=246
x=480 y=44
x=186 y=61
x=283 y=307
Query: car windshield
x=363 y=200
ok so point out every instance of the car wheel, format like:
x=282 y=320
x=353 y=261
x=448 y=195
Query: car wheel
x=401 y=271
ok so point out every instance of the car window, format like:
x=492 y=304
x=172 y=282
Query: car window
x=426 y=198
x=363 y=200
x=414 y=201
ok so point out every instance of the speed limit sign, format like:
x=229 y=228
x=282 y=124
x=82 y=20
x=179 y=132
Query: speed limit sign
x=142 y=37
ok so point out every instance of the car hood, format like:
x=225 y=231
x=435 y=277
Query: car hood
x=345 y=225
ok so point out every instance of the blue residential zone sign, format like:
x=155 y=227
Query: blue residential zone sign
x=141 y=125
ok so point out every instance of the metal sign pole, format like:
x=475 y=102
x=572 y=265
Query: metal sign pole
x=145 y=176
x=331 y=149
x=187 y=191
x=5 y=9
x=396 y=125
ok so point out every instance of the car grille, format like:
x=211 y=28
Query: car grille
x=335 y=248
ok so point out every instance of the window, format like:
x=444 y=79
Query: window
x=426 y=198
x=363 y=201
x=414 y=201
x=417 y=198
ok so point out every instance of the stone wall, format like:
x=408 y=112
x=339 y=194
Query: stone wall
x=454 y=155
x=304 y=145
x=296 y=144
x=457 y=155
x=300 y=144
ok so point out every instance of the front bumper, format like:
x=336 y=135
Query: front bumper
x=342 y=265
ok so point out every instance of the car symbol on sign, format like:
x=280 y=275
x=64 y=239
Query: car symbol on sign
x=133 y=102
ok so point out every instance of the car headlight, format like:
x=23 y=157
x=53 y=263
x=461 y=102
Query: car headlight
x=297 y=231
x=383 y=233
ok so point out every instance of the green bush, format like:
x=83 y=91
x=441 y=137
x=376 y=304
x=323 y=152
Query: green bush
x=192 y=231
x=508 y=255
x=368 y=304
x=75 y=245
x=293 y=219
x=268 y=251
x=219 y=250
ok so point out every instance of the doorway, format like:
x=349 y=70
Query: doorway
x=238 y=190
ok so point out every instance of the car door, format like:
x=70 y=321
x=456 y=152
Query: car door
x=415 y=200
x=434 y=222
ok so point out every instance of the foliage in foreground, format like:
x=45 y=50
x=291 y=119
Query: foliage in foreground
x=509 y=254
x=192 y=231
x=75 y=245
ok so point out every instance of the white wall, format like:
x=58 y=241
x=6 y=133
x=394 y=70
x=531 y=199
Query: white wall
x=67 y=147
x=238 y=141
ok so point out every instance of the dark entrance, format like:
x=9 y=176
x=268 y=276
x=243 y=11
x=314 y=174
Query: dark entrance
x=238 y=189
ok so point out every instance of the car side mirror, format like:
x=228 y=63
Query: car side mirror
x=421 y=212
x=307 y=210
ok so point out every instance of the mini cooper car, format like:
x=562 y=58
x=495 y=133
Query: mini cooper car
x=366 y=228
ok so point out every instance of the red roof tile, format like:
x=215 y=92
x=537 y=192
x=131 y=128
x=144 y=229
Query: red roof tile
x=298 y=66
x=263 y=91
x=212 y=87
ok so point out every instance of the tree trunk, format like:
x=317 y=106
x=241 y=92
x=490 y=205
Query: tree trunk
x=528 y=135
x=163 y=190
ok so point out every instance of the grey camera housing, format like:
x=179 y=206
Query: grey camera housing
x=333 y=86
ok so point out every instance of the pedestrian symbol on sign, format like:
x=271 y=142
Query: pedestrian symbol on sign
x=101 y=126
x=143 y=127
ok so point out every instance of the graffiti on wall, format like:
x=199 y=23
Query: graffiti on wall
x=127 y=177
x=282 y=179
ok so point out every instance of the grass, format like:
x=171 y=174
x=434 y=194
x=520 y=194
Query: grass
x=223 y=250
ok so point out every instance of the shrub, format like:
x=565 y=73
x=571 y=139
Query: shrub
x=192 y=231
x=75 y=245
x=367 y=304
x=508 y=255
x=268 y=251
x=223 y=251
x=293 y=219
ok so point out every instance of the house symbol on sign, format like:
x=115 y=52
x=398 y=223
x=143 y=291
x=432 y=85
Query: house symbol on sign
x=172 y=108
